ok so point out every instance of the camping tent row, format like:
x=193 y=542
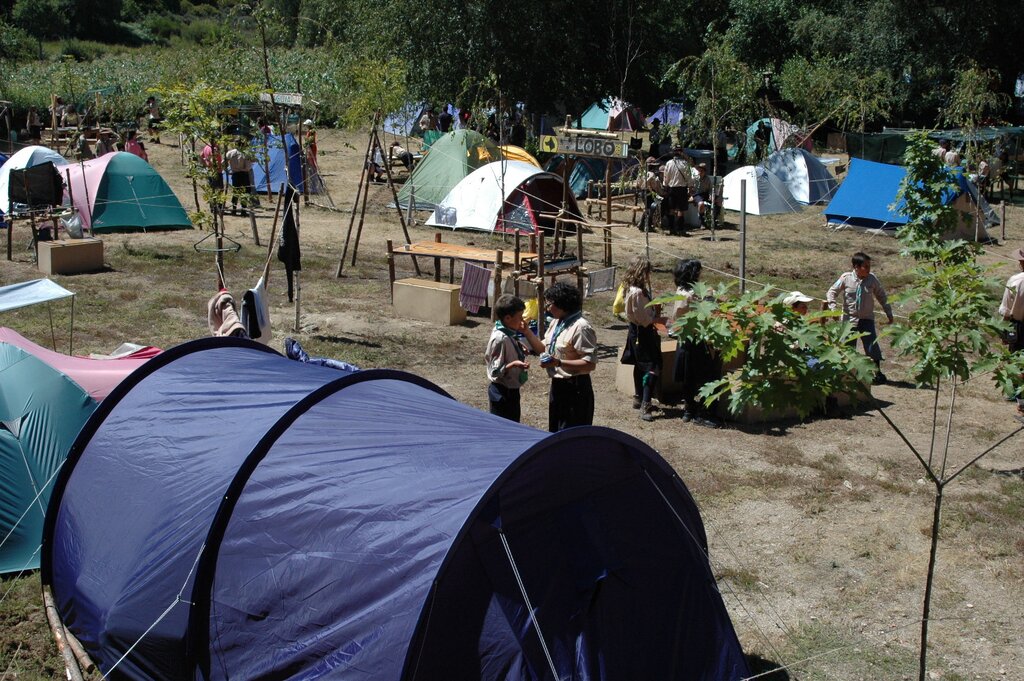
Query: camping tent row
x=868 y=201
x=366 y=525
x=273 y=168
x=47 y=398
x=785 y=182
x=113 y=193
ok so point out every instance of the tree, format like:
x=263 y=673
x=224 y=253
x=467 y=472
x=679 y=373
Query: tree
x=722 y=87
x=42 y=19
x=826 y=88
x=952 y=335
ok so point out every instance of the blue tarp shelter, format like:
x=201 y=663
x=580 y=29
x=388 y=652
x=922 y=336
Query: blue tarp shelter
x=866 y=196
x=229 y=512
x=275 y=152
x=867 y=200
x=669 y=113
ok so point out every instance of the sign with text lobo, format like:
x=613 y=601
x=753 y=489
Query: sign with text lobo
x=580 y=145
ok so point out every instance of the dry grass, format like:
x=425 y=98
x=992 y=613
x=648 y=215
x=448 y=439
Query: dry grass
x=840 y=566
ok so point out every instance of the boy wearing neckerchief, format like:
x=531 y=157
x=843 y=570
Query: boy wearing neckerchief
x=570 y=356
x=506 y=357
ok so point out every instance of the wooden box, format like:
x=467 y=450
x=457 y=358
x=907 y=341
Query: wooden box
x=70 y=257
x=429 y=301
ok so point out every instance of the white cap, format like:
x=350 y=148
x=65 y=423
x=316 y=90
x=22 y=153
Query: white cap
x=308 y=122
x=796 y=297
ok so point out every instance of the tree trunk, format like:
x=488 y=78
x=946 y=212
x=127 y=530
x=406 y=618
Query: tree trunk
x=926 y=608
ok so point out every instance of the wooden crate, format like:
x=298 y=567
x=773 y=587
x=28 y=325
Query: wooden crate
x=70 y=257
x=429 y=301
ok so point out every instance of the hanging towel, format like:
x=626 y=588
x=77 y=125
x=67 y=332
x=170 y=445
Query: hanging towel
x=473 y=294
x=256 y=313
x=222 y=317
x=600 y=280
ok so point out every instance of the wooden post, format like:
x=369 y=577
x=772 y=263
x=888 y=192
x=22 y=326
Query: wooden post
x=516 y=259
x=394 y=196
x=1002 y=218
x=195 y=185
x=608 y=216
x=10 y=228
x=362 y=219
x=391 y=270
x=498 y=259
x=252 y=223
x=57 y=629
x=540 y=284
x=579 y=242
x=352 y=217
x=437 y=260
x=743 y=236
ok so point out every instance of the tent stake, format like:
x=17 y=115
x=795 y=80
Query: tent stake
x=57 y=629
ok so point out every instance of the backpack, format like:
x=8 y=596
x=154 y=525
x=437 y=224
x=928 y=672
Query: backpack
x=619 y=304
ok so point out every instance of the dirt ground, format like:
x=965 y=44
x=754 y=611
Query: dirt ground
x=818 y=531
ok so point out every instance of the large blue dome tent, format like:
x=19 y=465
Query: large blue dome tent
x=229 y=513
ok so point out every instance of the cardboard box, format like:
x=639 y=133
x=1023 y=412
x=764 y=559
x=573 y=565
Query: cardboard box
x=668 y=389
x=429 y=301
x=70 y=257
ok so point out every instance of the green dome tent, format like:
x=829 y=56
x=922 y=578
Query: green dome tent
x=450 y=159
x=120 y=192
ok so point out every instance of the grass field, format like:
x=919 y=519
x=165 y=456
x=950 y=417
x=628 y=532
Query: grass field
x=818 y=529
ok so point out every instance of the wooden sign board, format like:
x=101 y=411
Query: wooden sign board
x=283 y=98
x=581 y=145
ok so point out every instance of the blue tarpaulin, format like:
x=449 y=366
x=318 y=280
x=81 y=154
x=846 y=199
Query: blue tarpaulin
x=275 y=153
x=241 y=515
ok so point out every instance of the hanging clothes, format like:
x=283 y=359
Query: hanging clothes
x=222 y=317
x=255 y=315
x=601 y=280
x=473 y=293
x=288 y=251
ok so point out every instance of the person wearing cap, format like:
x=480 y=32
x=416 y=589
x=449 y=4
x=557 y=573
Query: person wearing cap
x=797 y=302
x=106 y=144
x=678 y=180
x=655 y=139
x=1011 y=308
x=652 y=189
x=858 y=288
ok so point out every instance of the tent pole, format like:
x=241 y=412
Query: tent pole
x=528 y=603
x=71 y=336
x=53 y=336
x=366 y=195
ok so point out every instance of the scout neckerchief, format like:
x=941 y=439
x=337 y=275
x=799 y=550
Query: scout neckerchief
x=561 y=326
x=860 y=289
x=520 y=353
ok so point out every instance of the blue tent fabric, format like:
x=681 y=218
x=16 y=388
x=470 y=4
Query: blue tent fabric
x=275 y=151
x=364 y=530
x=670 y=113
x=866 y=196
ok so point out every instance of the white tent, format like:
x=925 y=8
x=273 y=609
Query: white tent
x=806 y=177
x=503 y=196
x=766 y=193
x=29 y=157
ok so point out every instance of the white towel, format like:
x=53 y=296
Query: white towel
x=600 y=280
x=473 y=293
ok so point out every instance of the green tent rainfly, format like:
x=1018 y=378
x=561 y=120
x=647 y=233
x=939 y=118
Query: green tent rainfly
x=120 y=192
x=451 y=158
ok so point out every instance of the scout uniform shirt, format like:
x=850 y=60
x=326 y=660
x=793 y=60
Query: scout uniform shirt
x=858 y=294
x=502 y=348
x=575 y=339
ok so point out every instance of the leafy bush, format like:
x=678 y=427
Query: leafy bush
x=789 y=360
